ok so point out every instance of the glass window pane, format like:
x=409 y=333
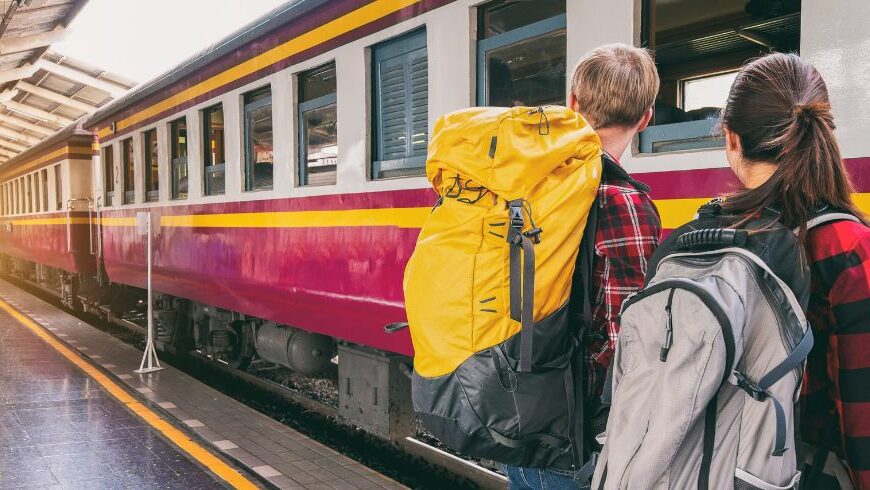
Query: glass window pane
x=44 y=190
x=58 y=188
x=178 y=138
x=258 y=147
x=128 y=170
x=151 y=169
x=530 y=72
x=317 y=83
x=214 y=180
x=503 y=16
x=108 y=174
x=29 y=201
x=320 y=146
x=213 y=122
x=178 y=163
x=697 y=51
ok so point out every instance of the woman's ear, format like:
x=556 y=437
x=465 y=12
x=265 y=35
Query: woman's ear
x=572 y=102
x=732 y=142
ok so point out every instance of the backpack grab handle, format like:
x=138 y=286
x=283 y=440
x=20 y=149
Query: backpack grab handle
x=712 y=237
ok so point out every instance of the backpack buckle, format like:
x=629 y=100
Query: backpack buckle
x=753 y=390
x=515 y=213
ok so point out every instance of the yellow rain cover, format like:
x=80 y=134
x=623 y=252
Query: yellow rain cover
x=457 y=280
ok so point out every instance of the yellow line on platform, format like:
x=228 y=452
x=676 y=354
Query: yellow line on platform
x=195 y=450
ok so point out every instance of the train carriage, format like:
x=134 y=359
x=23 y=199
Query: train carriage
x=47 y=229
x=283 y=166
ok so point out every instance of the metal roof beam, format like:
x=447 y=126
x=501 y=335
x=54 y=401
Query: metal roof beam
x=17 y=136
x=114 y=89
x=15 y=74
x=10 y=145
x=26 y=43
x=21 y=123
x=37 y=113
x=56 y=97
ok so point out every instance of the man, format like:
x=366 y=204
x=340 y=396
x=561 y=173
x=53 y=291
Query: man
x=614 y=88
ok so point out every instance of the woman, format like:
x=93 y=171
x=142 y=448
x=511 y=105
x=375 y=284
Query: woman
x=780 y=143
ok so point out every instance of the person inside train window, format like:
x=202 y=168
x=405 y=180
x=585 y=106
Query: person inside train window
x=151 y=165
x=780 y=143
x=178 y=157
x=521 y=53
x=258 y=140
x=213 y=161
x=614 y=88
x=128 y=171
x=699 y=46
x=400 y=118
x=318 y=135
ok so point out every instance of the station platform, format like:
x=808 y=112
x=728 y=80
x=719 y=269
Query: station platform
x=74 y=414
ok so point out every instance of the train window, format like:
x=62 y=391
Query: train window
x=128 y=172
x=17 y=198
x=401 y=106
x=213 y=137
x=29 y=194
x=150 y=165
x=521 y=51
x=178 y=157
x=3 y=201
x=318 y=139
x=109 y=175
x=44 y=174
x=699 y=46
x=37 y=193
x=258 y=140
x=58 y=188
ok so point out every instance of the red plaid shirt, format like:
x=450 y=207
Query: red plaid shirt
x=628 y=231
x=838 y=369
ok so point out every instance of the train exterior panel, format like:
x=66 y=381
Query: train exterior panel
x=329 y=258
x=55 y=228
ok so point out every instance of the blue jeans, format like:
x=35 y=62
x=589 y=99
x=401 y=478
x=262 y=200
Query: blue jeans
x=538 y=479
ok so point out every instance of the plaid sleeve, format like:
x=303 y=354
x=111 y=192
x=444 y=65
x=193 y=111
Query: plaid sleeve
x=629 y=230
x=849 y=357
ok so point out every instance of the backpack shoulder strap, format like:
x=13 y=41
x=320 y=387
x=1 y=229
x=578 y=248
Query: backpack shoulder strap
x=829 y=217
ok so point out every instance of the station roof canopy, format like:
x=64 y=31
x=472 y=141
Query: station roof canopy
x=42 y=91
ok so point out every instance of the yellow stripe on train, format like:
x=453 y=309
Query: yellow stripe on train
x=674 y=212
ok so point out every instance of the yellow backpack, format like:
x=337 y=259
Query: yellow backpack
x=487 y=287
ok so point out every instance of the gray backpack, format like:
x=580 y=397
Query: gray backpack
x=709 y=362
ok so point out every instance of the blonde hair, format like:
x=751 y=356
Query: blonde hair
x=615 y=85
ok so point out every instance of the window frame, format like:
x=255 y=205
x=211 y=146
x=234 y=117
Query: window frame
x=174 y=161
x=310 y=105
x=128 y=166
x=44 y=188
x=108 y=184
x=209 y=167
x=530 y=31
x=247 y=109
x=150 y=195
x=404 y=43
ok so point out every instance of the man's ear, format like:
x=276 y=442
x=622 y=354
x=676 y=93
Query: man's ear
x=572 y=102
x=645 y=120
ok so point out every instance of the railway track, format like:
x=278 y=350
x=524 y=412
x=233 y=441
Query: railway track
x=300 y=411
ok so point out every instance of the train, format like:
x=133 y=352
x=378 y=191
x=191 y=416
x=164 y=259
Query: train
x=283 y=167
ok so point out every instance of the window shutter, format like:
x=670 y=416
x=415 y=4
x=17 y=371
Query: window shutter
x=401 y=121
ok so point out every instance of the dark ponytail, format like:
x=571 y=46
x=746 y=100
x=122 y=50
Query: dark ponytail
x=779 y=108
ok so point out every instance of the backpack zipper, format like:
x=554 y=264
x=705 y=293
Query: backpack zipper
x=669 y=329
x=709 y=302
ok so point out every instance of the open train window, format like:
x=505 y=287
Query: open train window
x=17 y=198
x=213 y=137
x=521 y=50
x=29 y=194
x=37 y=193
x=151 y=167
x=400 y=121
x=178 y=157
x=318 y=126
x=699 y=46
x=127 y=171
x=58 y=188
x=258 y=140
x=108 y=175
x=44 y=175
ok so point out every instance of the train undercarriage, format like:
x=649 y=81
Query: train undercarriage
x=374 y=389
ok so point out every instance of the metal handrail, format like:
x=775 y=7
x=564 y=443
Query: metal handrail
x=69 y=209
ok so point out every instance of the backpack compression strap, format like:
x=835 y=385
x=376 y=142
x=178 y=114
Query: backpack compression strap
x=760 y=391
x=522 y=293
